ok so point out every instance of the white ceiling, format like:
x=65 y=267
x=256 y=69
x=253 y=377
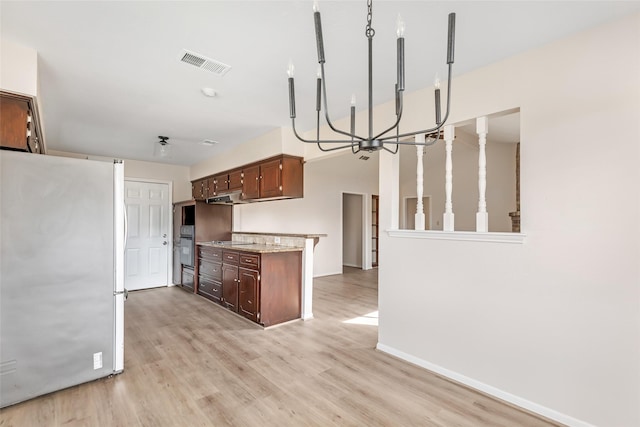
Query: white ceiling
x=111 y=81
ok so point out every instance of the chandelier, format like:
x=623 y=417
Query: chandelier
x=372 y=142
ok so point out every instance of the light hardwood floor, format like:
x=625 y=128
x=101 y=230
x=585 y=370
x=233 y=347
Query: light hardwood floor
x=191 y=363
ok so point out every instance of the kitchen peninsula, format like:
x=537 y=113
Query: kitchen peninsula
x=266 y=278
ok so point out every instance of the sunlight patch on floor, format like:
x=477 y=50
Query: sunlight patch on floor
x=367 y=319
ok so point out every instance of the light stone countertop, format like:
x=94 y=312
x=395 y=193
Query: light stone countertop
x=252 y=247
x=304 y=236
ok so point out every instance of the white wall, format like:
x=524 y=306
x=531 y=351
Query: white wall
x=178 y=175
x=277 y=141
x=501 y=181
x=319 y=211
x=18 y=68
x=552 y=324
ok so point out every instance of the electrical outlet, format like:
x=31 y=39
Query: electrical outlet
x=276 y=240
x=97 y=360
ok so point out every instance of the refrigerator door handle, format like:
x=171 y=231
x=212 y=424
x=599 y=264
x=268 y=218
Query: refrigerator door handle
x=120 y=237
x=126 y=225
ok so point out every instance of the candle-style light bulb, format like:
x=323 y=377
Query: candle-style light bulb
x=400 y=63
x=400 y=27
x=318 y=89
x=291 y=69
x=353 y=116
x=436 y=84
x=451 y=38
x=318 y=25
x=292 y=93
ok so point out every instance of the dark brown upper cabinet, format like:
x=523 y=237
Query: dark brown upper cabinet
x=19 y=124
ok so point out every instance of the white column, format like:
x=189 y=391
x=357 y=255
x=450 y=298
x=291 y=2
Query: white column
x=419 y=216
x=482 y=217
x=307 y=279
x=389 y=188
x=448 y=217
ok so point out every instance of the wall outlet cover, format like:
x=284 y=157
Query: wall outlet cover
x=97 y=360
x=276 y=240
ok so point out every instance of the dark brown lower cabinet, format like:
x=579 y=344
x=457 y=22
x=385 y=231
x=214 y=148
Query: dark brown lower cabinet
x=248 y=287
x=266 y=288
x=210 y=273
x=230 y=286
x=209 y=288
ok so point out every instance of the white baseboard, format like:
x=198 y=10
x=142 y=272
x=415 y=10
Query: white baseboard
x=352 y=265
x=485 y=388
x=327 y=274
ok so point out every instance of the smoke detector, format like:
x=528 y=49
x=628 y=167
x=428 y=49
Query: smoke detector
x=207 y=91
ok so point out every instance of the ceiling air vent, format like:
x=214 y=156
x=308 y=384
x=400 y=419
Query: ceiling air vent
x=201 y=61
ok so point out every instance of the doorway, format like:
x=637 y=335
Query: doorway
x=352 y=230
x=148 y=228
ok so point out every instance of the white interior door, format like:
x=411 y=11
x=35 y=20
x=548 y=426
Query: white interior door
x=147 y=250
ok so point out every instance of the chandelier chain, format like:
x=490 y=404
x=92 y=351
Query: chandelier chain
x=369 y=31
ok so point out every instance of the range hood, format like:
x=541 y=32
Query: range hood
x=226 y=199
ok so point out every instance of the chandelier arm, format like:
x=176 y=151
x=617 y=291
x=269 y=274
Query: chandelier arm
x=326 y=141
x=446 y=115
x=392 y=152
x=336 y=148
x=425 y=131
x=326 y=109
x=437 y=127
x=422 y=144
x=396 y=124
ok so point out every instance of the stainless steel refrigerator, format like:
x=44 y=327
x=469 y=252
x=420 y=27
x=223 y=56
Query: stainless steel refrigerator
x=62 y=238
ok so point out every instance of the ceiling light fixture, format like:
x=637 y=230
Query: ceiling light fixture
x=163 y=149
x=372 y=142
x=207 y=91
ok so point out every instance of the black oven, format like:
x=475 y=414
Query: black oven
x=187 y=245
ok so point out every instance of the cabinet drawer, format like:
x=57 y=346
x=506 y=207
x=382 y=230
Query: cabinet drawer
x=210 y=289
x=210 y=254
x=250 y=260
x=213 y=269
x=229 y=257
